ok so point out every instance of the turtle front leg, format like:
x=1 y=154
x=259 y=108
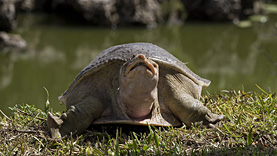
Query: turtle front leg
x=190 y=110
x=77 y=118
x=181 y=95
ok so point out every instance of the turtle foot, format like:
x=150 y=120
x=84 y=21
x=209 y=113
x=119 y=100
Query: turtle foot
x=212 y=120
x=54 y=123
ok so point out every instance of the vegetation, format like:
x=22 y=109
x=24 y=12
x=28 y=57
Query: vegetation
x=249 y=128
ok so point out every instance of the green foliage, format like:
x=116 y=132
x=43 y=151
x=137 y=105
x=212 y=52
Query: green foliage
x=249 y=128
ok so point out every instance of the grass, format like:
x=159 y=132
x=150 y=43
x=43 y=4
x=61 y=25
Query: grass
x=249 y=128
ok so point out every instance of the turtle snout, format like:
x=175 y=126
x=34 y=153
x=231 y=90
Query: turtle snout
x=141 y=56
x=140 y=61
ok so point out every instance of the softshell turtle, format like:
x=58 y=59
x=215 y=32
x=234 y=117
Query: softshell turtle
x=136 y=83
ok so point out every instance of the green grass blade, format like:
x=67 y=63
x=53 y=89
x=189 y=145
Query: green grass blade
x=157 y=142
x=227 y=129
x=239 y=120
x=261 y=89
x=249 y=137
x=47 y=103
x=116 y=144
x=145 y=147
x=136 y=138
x=227 y=115
x=151 y=135
x=156 y=139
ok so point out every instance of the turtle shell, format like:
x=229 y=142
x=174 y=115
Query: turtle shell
x=125 y=52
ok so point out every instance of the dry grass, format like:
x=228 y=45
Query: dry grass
x=249 y=128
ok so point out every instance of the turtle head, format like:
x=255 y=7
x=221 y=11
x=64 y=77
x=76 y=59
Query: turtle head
x=138 y=86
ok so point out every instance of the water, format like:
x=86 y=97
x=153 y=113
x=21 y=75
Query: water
x=231 y=57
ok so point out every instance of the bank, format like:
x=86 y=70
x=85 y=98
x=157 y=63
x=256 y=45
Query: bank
x=249 y=128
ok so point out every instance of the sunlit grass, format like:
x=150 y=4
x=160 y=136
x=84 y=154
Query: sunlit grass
x=249 y=128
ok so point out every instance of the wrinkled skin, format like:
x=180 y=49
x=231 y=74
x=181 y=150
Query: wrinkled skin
x=143 y=92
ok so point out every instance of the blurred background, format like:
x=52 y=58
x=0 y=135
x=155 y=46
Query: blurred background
x=45 y=43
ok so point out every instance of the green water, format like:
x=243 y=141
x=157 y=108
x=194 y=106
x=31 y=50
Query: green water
x=231 y=57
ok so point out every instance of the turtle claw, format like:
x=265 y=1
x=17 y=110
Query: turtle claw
x=212 y=120
x=54 y=124
x=55 y=134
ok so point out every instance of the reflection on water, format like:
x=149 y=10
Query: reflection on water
x=232 y=58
